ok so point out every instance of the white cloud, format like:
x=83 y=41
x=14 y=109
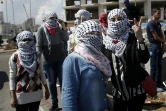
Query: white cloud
x=39 y=7
x=49 y=5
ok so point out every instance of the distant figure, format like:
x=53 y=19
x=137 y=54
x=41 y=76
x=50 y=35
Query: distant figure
x=81 y=16
x=165 y=14
x=156 y=47
x=1 y=40
x=50 y=44
x=131 y=12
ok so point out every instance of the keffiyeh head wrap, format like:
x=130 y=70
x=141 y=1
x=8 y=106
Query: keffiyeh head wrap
x=117 y=33
x=27 y=52
x=50 y=26
x=81 y=13
x=89 y=45
x=103 y=19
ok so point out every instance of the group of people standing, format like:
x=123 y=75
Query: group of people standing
x=113 y=48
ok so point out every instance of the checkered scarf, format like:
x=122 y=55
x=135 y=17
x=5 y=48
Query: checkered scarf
x=117 y=33
x=52 y=24
x=89 y=46
x=27 y=52
x=81 y=13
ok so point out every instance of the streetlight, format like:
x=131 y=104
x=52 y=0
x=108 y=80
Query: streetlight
x=6 y=15
x=13 y=17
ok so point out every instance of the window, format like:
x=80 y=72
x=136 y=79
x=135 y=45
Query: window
x=73 y=2
x=91 y=1
x=70 y=14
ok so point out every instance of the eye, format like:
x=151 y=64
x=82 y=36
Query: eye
x=27 y=39
x=113 y=19
x=120 y=18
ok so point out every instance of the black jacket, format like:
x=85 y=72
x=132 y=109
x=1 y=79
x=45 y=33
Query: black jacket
x=134 y=73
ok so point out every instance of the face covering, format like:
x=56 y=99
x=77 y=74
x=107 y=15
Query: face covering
x=117 y=33
x=89 y=45
x=27 y=52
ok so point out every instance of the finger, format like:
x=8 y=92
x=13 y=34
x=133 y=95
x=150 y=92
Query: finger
x=130 y=20
x=140 y=21
x=133 y=27
x=135 y=21
x=13 y=105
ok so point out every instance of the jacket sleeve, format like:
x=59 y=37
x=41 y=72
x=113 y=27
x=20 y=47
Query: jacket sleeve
x=12 y=73
x=64 y=35
x=39 y=41
x=70 y=86
x=42 y=75
x=143 y=53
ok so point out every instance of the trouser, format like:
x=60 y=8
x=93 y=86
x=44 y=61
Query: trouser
x=28 y=107
x=155 y=63
x=134 y=104
x=54 y=71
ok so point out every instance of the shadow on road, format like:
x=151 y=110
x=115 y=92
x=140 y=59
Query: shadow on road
x=154 y=107
x=3 y=78
x=164 y=69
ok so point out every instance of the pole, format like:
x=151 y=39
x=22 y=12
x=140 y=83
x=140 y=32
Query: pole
x=13 y=17
x=30 y=8
x=7 y=19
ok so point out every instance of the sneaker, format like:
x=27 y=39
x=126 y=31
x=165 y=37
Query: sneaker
x=164 y=83
x=57 y=85
x=159 y=89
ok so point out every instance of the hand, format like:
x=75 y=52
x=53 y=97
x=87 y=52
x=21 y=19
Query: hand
x=13 y=102
x=137 y=29
x=62 y=23
x=71 y=50
x=47 y=94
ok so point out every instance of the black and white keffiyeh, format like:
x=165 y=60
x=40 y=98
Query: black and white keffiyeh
x=27 y=52
x=83 y=13
x=82 y=35
x=117 y=33
x=89 y=45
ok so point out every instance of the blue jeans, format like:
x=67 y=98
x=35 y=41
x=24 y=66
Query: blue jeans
x=155 y=51
x=54 y=71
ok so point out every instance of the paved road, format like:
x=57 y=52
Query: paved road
x=4 y=85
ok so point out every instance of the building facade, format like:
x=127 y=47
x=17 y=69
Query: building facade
x=96 y=7
x=1 y=17
x=29 y=24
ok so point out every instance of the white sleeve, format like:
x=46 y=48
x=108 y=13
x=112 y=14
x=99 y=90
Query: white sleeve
x=12 y=73
x=43 y=78
x=70 y=42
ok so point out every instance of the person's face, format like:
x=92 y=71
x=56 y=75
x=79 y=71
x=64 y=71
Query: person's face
x=157 y=14
x=116 y=18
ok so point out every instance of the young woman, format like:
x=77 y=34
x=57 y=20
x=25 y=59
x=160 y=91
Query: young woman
x=126 y=49
x=84 y=72
x=26 y=75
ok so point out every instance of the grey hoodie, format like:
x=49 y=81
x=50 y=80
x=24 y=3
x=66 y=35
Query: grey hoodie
x=57 y=45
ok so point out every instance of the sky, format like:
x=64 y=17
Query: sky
x=38 y=9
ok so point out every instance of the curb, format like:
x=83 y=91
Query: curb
x=6 y=51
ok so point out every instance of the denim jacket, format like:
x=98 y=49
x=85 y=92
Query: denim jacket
x=83 y=88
